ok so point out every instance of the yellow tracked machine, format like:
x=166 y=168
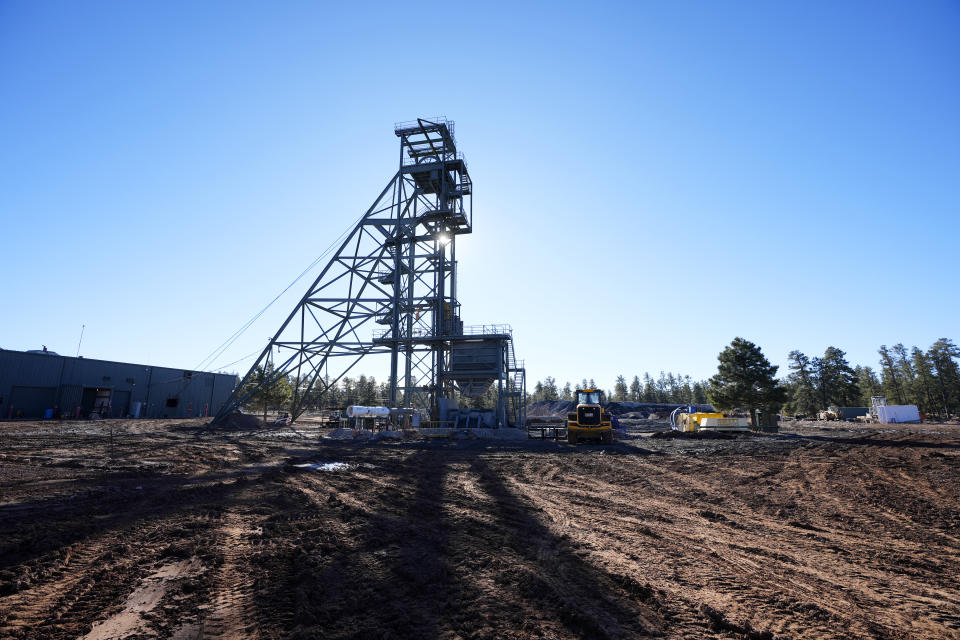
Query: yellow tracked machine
x=589 y=421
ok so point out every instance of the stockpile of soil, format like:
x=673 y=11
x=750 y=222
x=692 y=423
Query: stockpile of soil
x=241 y=421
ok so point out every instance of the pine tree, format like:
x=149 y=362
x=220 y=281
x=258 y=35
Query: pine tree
x=943 y=354
x=924 y=382
x=567 y=392
x=620 y=389
x=892 y=387
x=487 y=399
x=332 y=396
x=550 y=392
x=843 y=390
x=367 y=391
x=477 y=401
x=349 y=392
x=361 y=389
x=663 y=388
x=649 y=388
x=274 y=395
x=907 y=374
x=803 y=386
x=699 y=394
x=823 y=381
x=636 y=391
x=868 y=384
x=745 y=379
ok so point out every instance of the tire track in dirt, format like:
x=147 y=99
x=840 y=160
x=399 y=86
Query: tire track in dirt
x=45 y=603
x=131 y=620
x=585 y=598
x=797 y=581
x=621 y=536
x=366 y=545
x=231 y=608
x=64 y=588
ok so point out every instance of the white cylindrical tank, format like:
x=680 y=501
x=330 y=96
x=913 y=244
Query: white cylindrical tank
x=356 y=411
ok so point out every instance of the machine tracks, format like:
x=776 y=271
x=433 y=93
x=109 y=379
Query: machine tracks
x=230 y=614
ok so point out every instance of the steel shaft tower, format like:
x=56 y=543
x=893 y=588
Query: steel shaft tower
x=391 y=289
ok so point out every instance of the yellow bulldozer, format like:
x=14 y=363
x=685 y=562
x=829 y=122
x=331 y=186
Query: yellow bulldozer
x=589 y=421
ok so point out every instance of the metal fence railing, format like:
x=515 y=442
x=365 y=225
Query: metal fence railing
x=487 y=329
x=427 y=157
x=469 y=330
x=415 y=124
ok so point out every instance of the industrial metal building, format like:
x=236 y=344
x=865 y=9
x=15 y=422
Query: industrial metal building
x=38 y=384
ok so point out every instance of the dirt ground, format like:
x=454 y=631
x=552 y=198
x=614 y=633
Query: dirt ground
x=166 y=529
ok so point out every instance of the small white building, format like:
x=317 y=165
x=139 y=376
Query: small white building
x=894 y=413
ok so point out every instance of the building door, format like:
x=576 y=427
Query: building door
x=102 y=403
x=96 y=400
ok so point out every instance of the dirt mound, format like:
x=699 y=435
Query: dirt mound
x=241 y=421
x=548 y=409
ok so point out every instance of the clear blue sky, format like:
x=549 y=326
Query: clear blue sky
x=788 y=172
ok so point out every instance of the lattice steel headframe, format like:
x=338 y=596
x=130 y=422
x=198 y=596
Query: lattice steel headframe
x=389 y=289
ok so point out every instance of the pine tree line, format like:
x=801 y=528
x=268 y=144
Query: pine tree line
x=929 y=379
x=362 y=390
x=669 y=388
